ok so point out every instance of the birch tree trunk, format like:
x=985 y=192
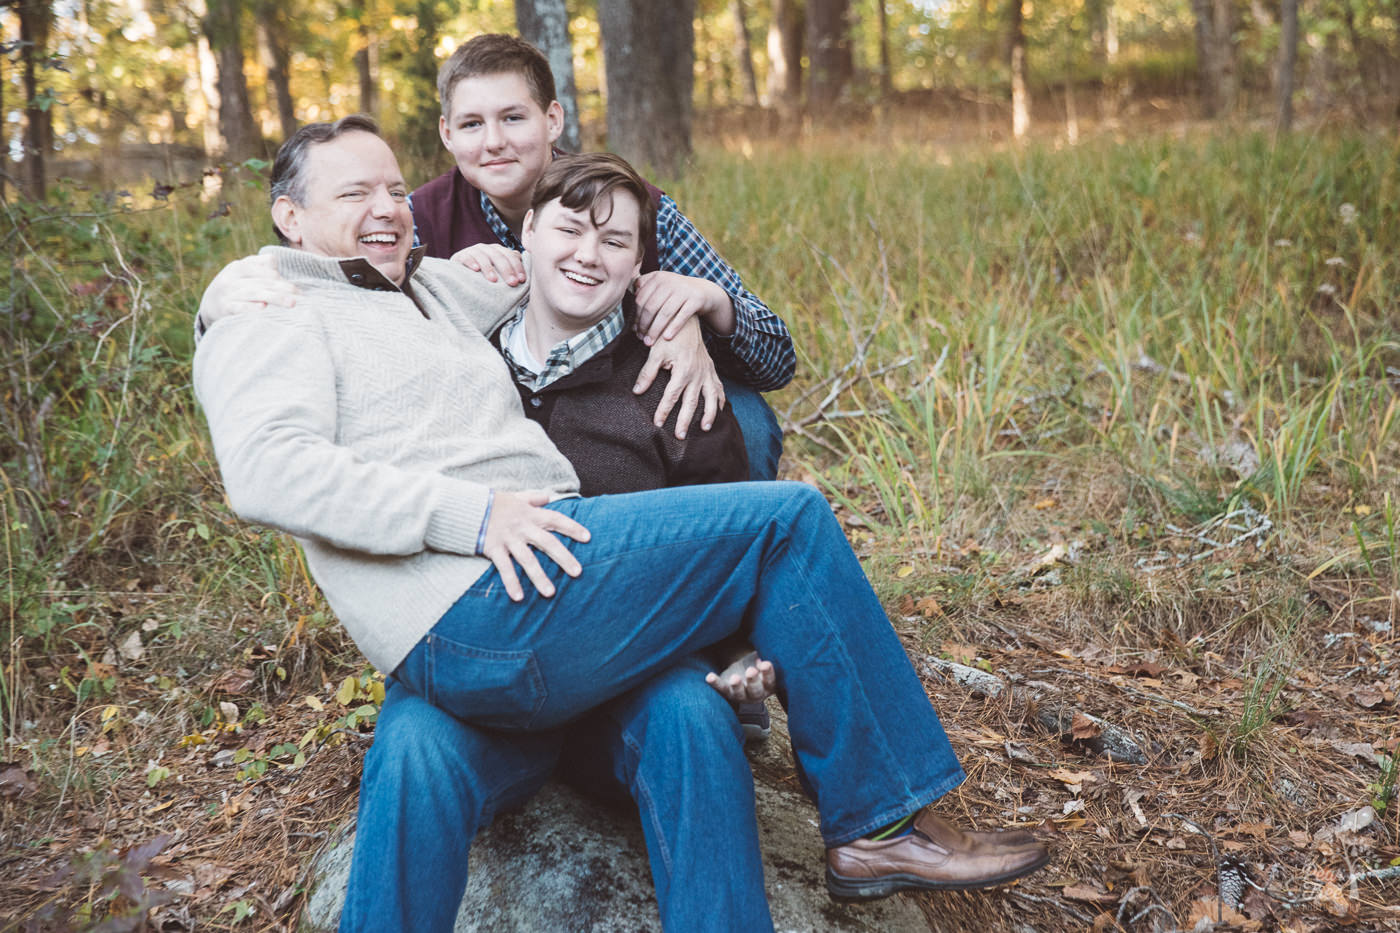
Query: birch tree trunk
x=1020 y=88
x=785 y=56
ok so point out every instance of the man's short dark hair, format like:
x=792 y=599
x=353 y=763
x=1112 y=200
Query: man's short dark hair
x=289 y=168
x=587 y=182
x=495 y=53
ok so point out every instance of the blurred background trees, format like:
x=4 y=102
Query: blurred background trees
x=152 y=87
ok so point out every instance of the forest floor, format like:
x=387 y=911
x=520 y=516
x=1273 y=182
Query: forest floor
x=1250 y=807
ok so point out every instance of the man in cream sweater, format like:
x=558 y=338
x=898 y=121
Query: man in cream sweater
x=376 y=423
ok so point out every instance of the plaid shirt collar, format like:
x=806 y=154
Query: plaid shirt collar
x=565 y=357
x=498 y=224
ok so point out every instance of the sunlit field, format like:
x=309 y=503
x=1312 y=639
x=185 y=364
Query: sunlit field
x=1113 y=421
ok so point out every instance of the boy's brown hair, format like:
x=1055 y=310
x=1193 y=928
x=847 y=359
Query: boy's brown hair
x=584 y=182
x=495 y=53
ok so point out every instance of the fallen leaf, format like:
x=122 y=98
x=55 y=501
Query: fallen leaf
x=1051 y=557
x=1210 y=908
x=928 y=607
x=234 y=681
x=1369 y=697
x=131 y=647
x=1333 y=900
x=211 y=875
x=314 y=702
x=1083 y=728
x=1089 y=893
x=1073 y=806
x=1132 y=798
x=1257 y=830
x=961 y=654
x=1363 y=750
x=228 y=711
x=1046 y=503
x=15 y=781
x=1065 y=776
x=1300 y=838
x=904 y=571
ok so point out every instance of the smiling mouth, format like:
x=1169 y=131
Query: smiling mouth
x=581 y=279
x=380 y=239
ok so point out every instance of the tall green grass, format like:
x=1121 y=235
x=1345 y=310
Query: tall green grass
x=1136 y=306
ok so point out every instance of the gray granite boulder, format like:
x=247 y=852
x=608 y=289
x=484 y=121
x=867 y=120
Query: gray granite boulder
x=567 y=864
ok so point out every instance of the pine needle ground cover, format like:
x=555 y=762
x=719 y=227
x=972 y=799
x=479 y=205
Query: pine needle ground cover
x=1112 y=427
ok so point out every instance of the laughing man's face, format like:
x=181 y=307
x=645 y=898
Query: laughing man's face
x=356 y=204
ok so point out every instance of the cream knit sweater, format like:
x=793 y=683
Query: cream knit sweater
x=372 y=434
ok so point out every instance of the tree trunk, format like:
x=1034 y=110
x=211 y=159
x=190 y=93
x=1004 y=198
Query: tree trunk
x=1215 y=52
x=649 y=57
x=743 y=51
x=35 y=22
x=1287 y=61
x=366 y=69
x=223 y=25
x=545 y=24
x=418 y=136
x=273 y=39
x=886 y=74
x=785 y=56
x=1020 y=88
x=1103 y=37
x=830 y=64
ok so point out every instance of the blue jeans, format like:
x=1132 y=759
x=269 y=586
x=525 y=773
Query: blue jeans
x=763 y=438
x=665 y=574
x=431 y=782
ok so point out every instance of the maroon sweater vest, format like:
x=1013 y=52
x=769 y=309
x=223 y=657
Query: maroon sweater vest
x=447 y=212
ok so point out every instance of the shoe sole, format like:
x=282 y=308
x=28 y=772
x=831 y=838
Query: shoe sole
x=854 y=890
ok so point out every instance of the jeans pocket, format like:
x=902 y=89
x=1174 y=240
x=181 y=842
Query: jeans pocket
x=501 y=689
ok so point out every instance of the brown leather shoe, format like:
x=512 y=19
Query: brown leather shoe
x=935 y=856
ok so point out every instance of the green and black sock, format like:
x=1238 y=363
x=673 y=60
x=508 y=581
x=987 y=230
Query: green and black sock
x=901 y=827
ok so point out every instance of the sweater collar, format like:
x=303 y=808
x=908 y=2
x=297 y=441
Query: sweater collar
x=357 y=271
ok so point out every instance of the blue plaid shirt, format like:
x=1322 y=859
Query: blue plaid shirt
x=760 y=347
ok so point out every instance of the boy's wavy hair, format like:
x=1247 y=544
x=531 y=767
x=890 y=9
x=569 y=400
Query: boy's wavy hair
x=587 y=183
